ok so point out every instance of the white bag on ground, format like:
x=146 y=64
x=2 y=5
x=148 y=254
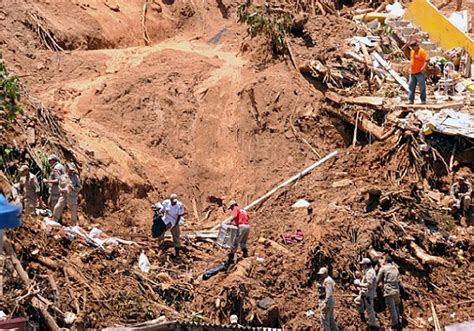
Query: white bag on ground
x=143 y=263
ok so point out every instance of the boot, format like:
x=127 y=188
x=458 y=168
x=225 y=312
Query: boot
x=176 y=253
x=362 y=317
x=245 y=252
x=229 y=262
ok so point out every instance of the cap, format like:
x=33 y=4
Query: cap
x=323 y=271
x=365 y=260
x=232 y=203
x=414 y=43
x=53 y=157
x=173 y=196
x=24 y=168
x=71 y=166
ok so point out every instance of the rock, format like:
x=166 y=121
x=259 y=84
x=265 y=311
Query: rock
x=266 y=303
x=301 y=203
x=342 y=183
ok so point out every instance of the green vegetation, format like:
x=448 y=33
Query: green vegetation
x=9 y=94
x=272 y=23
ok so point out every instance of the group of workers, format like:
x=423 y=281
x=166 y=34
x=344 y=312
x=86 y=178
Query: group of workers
x=64 y=186
x=388 y=275
x=171 y=213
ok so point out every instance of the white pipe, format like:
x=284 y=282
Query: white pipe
x=285 y=183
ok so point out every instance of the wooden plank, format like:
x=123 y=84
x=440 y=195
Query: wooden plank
x=364 y=124
x=436 y=106
x=392 y=72
x=366 y=100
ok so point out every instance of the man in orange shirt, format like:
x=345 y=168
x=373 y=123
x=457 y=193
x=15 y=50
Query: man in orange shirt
x=418 y=59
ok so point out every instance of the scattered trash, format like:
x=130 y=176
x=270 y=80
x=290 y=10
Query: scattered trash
x=51 y=222
x=395 y=9
x=266 y=303
x=301 y=203
x=3 y=316
x=143 y=263
x=309 y=313
x=44 y=212
x=259 y=259
x=95 y=233
x=234 y=319
x=69 y=318
x=213 y=271
x=292 y=237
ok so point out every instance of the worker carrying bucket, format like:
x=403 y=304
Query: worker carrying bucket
x=240 y=219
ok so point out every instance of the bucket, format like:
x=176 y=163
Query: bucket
x=226 y=236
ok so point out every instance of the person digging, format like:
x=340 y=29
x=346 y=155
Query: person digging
x=368 y=292
x=461 y=192
x=240 y=218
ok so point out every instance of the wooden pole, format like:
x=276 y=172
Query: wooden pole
x=285 y=183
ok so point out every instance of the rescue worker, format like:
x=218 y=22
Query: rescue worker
x=31 y=190
x=461 y=192
x=389 y=276
x=57 y=170
x=327 y=301
x=172 y=210
x=240 y=218
x=368 y=292
x=15 y=195
x=69 y=188
x=418 y=61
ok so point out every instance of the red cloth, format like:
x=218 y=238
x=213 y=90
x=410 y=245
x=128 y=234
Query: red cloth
x=240 y=216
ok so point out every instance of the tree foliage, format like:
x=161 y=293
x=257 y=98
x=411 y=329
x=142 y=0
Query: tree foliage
x=272 y=23
x=9 y=93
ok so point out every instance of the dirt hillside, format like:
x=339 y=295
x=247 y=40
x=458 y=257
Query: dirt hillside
x=179 y=98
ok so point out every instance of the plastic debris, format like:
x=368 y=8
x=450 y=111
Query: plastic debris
x=69 y=318
x=144 y=263
x=301 y=203
x=309 y=313
x=395 y=9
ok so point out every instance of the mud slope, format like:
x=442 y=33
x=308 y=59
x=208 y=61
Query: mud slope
x=190 y=114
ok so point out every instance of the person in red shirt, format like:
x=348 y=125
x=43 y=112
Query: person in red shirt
x=418 y=61
x=240 y=218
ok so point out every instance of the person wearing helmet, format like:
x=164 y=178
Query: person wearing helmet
x=172 y=210
x=69 y=187
x=240 y=218
x=31 y=190
x=327 y=301
x=57 y=170
x=368 y=292
x=461 y=192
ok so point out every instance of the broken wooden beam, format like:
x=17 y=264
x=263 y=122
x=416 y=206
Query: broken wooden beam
x=425 y=258
x=275 y=245
x=435 y=106
x=364 y=124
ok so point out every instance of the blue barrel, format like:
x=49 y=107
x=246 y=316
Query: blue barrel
x=9 y=214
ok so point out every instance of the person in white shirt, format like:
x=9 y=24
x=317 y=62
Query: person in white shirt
x=172 y=210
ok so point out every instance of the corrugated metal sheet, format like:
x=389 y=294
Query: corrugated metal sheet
x=187 y=326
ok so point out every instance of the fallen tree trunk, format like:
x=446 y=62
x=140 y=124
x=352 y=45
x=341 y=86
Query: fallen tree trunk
x=425 y=258
x=364 y=124
x=35 y=301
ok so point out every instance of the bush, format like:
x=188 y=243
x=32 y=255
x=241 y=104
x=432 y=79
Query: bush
x=9 y=94
x=274 y=24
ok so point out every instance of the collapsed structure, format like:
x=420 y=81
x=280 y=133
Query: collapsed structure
x=209 y=113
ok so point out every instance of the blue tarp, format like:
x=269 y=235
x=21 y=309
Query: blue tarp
x=9 y=214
